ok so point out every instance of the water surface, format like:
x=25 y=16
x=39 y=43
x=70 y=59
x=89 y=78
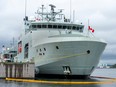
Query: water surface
x=111 y=73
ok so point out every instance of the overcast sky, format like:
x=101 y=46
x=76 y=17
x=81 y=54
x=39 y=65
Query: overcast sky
x=101 y=14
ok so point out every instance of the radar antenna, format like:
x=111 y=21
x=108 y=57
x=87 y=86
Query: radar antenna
x=52 y=7
x=53 y=13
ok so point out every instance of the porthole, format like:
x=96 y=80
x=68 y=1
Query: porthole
x=40 y=53
x=57 y=47
x=88 y=51
x=44 y=49
x=43 y=53
x=40 y=50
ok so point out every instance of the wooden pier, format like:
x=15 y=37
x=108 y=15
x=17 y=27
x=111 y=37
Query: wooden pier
x=17 y=70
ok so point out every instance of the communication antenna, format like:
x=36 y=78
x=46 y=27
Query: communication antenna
x=13 y=44
x=26 y=18
x=70 y=9
x=25 y=7
x=42 y=8
x=73 y=15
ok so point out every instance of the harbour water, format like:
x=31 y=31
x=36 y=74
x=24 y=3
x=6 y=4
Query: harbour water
x=97 y=81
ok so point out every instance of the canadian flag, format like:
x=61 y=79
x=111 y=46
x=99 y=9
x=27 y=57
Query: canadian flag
x=92 y=30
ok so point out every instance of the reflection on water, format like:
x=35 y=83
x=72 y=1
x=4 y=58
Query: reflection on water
x=4 y=83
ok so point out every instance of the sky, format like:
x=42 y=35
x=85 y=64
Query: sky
x=100 y=13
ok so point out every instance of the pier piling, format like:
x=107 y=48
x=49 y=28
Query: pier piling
x=17 y=70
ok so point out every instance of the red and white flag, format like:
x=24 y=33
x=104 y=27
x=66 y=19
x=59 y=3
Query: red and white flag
x=37 y=19
x=92 y=30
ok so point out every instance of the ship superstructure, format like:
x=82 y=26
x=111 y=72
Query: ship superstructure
x=58 y=46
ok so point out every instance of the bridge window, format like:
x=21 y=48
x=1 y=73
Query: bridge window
x=44 y=26
x=54 y=26
x=64 y=27
x=74 y=27
x=38 y=26
x=33 y=26
x=59 y=26
x=49 y=26
x=69 y=27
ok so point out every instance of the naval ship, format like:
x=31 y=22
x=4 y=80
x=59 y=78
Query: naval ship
x=58 y=45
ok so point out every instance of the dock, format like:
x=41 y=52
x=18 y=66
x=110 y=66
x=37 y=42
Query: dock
x=17 y=70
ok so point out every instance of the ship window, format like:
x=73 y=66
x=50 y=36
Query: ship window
x=74 y=27
x=40 y=53
x=64 y=27
x=27 y=24
x=33 y=26
x=43 y=53
x=30 y=26
x=77 y=28
x=88 y=51
x=43 y=26
x=49 y=26
x=6 y=55
x=82 y=29
x=59 y=26
x=54 y=26
x=26 y=49
x=38 y=26
x=57 y=47
x=69 y=27
x=13 y=52
x=40 y=50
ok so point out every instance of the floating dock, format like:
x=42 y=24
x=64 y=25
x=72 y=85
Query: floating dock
x=17 y=70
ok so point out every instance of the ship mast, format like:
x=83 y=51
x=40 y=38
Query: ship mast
x=48 y=15
x=42 y=8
